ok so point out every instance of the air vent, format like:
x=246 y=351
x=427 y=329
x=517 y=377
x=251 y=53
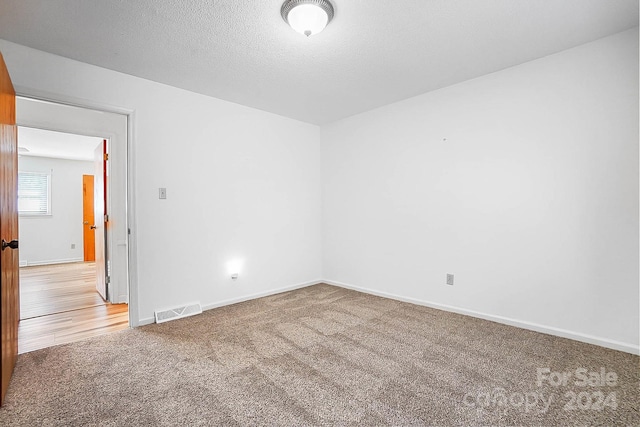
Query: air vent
x=178 y=313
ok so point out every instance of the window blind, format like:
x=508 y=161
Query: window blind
x=34 y=193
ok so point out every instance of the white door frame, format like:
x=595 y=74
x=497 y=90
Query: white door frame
x=122 y=163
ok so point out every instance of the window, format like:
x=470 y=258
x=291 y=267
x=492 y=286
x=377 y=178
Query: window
x=34 y=193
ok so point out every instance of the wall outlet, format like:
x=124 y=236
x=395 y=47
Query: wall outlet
x=449 y=279
x=73 y=246
x=162 y=193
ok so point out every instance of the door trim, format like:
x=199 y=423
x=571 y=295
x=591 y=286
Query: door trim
x=130 y=203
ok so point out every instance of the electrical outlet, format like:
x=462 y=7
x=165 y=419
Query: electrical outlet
x=162 y=193
x=449 y=279
x=73 y=246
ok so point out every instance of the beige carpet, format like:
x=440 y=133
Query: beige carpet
x=321 y=356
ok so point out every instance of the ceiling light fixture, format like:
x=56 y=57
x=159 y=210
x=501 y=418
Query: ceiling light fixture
x=307 y=17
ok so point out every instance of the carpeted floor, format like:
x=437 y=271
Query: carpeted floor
x=323 y=356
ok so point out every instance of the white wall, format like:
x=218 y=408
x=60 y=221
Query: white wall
x=241 y=184
x=48 y=239
x=532 y=200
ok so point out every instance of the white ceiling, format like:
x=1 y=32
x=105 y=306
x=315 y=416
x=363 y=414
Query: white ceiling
x=59 y=145
x=373 y=53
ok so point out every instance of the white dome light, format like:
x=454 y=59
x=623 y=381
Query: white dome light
x=307 y=17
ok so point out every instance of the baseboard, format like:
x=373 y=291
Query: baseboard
x=122 y=299
x=50 y=262
x=146 y=321
x=260 y=295
x=205 y=307
x=577 y=336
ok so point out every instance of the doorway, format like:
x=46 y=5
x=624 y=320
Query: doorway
x=79 y=306
x=62 y=283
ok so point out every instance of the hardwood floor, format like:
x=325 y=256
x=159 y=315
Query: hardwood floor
x=49 y=289
x=59 y=304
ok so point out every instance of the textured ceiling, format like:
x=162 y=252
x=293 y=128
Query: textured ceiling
x=373 y=53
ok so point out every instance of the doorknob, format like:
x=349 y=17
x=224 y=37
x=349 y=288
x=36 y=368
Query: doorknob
x=93 y=227
x=12 y=244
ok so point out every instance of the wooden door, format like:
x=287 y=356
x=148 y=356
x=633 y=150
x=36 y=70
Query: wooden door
x=100 y=210
x=88 y=219
x=9 y=274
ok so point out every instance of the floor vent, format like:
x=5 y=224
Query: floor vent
x=178 y=313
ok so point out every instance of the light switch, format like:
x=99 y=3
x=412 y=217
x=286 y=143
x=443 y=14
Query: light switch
x=162 y=193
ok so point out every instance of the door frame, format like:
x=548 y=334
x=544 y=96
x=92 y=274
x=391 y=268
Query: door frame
x=129 y=159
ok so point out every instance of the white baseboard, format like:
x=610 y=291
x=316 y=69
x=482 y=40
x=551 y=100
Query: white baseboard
x=122 y=299
x=28 y=263
x=260 y=295
x=205 y=307
x=146 y=321
x=590 y=339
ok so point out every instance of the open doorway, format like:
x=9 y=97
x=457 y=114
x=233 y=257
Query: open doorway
x=62 y=185
x=73 y=265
